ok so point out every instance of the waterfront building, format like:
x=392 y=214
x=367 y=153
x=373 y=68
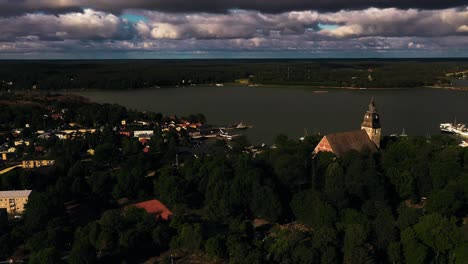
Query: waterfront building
x=14 y=201
x=365 y=139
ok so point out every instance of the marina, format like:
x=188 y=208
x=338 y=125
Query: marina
x=224 y=133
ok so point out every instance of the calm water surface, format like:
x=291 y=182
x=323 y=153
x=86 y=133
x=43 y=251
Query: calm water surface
x=291 y=111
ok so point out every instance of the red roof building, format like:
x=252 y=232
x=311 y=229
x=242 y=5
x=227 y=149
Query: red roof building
x=144 y=141
x=126 y=133
x=156 y=208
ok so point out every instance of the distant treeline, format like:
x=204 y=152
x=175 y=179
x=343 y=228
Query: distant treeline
x=134 y=74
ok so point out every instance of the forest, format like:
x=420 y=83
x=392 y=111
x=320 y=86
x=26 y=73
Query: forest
x=407 y=203
x=135 y=74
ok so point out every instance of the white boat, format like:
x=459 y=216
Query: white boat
x=464 y=144
x=226 y=136
x=219 y=84
x=242 y=126
x=461 y=130
x=446 y=127
x=454 y=128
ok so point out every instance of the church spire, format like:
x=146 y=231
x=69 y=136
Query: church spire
x=372 y=108
x=371 y=123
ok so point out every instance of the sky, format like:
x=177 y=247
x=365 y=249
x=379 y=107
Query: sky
x=152 y=29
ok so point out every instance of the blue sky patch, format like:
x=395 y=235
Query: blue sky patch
x=134 y=18
x=327 y=26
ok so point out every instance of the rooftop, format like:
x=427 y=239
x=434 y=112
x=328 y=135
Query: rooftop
x=156 y=208
x=14 y=194
x=351 y=140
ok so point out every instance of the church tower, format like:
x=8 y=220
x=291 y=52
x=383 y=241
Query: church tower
x=371 y=124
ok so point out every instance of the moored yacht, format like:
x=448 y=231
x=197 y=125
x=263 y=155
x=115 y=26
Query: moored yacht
x=464 y=144
x=446 y=127
x=454 y=128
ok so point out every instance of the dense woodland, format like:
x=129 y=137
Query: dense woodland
x=360 y=208
x=134 y=74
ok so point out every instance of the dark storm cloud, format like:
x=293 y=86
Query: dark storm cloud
x=14 y=7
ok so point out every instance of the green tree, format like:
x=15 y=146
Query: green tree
x=414 y=251
x=334 y=189
x=355 y=250
x=3 y=220
x=82 y=251
x=439 y=233
x=190 y=237
x=407 y=216
x=311 y=210
x=461 y=254
x=394 y=252
x=445 y=167
x=48 y=255
x=266 y=203
x=402 y=181
x=444 y=202
x=216 y=247
x=104 y=153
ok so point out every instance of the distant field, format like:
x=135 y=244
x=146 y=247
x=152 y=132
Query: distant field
x=134 y=74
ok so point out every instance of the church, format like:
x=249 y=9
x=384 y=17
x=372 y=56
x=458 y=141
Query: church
x=366 y=138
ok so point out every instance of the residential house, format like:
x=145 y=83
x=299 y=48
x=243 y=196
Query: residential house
x=143 y=133
x=156 y=208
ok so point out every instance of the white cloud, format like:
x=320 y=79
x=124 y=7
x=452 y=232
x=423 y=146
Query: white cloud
x=369 y=29
x=463 y=28
x=166 y=31
x=89 y=24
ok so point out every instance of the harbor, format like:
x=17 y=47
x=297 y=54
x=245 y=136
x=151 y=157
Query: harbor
x=282 y=110
x=228 y=133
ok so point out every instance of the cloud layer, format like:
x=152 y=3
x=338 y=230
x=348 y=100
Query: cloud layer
x=216 y=6
x=108 y=28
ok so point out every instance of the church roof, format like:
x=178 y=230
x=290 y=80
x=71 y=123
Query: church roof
x=343 y=142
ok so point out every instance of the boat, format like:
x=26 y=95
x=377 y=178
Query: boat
x=219 y=84
x=454 y=128
x=226 y=136
x=242 y=126
x=210 y=136
x=464 y=144
x=239 y=126
x=461 y=130
x=446 y=127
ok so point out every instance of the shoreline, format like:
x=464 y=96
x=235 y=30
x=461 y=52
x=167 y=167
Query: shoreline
x=321 y=87
x=448 y=88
